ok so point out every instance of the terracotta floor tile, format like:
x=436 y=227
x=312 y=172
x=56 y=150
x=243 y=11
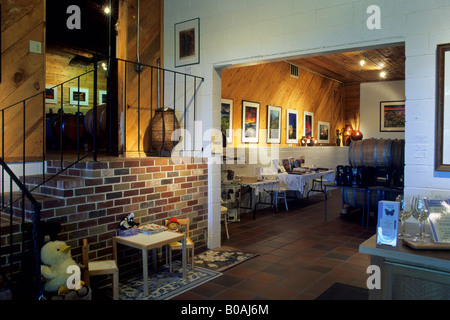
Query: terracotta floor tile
x=232 y=294
x=277 y=293
x=208 y=289
x=267 y=277
x=251 y=286
x=301 y=255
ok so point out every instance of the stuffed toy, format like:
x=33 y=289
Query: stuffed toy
x=173 y=224
x=56 y=257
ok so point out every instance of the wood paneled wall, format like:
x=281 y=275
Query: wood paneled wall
x=150 y=51
x=59 y=70
x=271 y=84
x=22 y=76
x=352 y=95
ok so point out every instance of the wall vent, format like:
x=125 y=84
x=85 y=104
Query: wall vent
x=294 y=71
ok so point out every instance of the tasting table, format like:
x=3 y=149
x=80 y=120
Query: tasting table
x=407 y=273
x=297 y=181
x=258 y=187
x=145 y=242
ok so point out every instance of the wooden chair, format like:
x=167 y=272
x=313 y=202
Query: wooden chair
x=224 y=218
x=95 y=268
x=179 y=245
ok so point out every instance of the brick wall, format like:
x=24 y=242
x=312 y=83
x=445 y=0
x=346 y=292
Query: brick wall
x=92 y=198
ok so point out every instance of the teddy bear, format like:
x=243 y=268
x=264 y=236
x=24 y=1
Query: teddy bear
x=56 y=259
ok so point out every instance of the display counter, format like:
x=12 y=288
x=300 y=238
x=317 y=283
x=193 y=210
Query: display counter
x=409 y=274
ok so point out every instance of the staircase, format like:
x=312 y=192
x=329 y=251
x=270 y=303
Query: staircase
x=86 y=197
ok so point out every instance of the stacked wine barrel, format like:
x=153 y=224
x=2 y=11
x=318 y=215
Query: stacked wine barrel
x=383 y=158
x=75 y=127
x=69 y=126
x=377 y=153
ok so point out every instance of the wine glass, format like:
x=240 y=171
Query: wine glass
x=420 y=213
x=405 y=214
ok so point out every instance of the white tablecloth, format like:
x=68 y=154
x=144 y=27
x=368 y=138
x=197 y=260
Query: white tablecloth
x=297 y=182
x=260 y=186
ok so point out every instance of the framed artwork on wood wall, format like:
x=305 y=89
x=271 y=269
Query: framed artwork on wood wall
x=323 y=132
x=442 y=147
x=51 y=94
x=226 y=119
x=392 y=116
x=187 y=42
x=274 y=124
x=291 y=126
x=250 y=122
x=79 y=96
x=308 y=124
x=102 y=97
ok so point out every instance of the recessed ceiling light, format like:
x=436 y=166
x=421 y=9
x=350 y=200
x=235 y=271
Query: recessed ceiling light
x=362 y=63
x=383 y=74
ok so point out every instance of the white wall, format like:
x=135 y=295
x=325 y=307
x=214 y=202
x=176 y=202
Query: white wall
x=371 y=94
x=248 y=31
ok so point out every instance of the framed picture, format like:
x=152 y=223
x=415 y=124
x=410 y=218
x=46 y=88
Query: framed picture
x=392 y=116
x=187 y=42
x=442 y=147
x=323 y=132
x=273 y=124
x=102 y=97
x=79 y=96
x=308 y=124
x=51 y=94
x=226 y=116
x=250 y=122
x=291 y=126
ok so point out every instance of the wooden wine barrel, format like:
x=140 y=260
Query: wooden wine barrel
x=69 y=127
x=101 y=122
x=398 y=153
x=163 y=123
x=371 y=153
x=356 y=198
x=377 y=153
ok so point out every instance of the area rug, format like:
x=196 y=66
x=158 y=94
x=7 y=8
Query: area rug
x=222 y=259
x=165 y=285
x=340 y=291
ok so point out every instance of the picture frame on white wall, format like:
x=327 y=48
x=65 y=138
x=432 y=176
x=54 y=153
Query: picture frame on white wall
x=323 y=132
x=291 y=126
x=187 y=42
x=392 y=116
x=442 y=144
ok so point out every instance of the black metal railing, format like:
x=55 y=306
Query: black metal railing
x=156 y=88
x=165 y=89
x=35 y=285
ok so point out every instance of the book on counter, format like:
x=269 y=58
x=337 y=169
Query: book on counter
x=151 y=228
x=439 y=219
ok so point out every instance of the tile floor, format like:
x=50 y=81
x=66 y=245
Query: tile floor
x=301 y=255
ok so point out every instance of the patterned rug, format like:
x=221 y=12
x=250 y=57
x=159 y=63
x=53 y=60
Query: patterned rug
x=164 y=285
x=222 y=259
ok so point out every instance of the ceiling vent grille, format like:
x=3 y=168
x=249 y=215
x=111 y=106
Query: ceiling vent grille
x=294 y=71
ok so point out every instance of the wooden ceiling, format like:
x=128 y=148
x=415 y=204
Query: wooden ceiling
x=346 y=68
